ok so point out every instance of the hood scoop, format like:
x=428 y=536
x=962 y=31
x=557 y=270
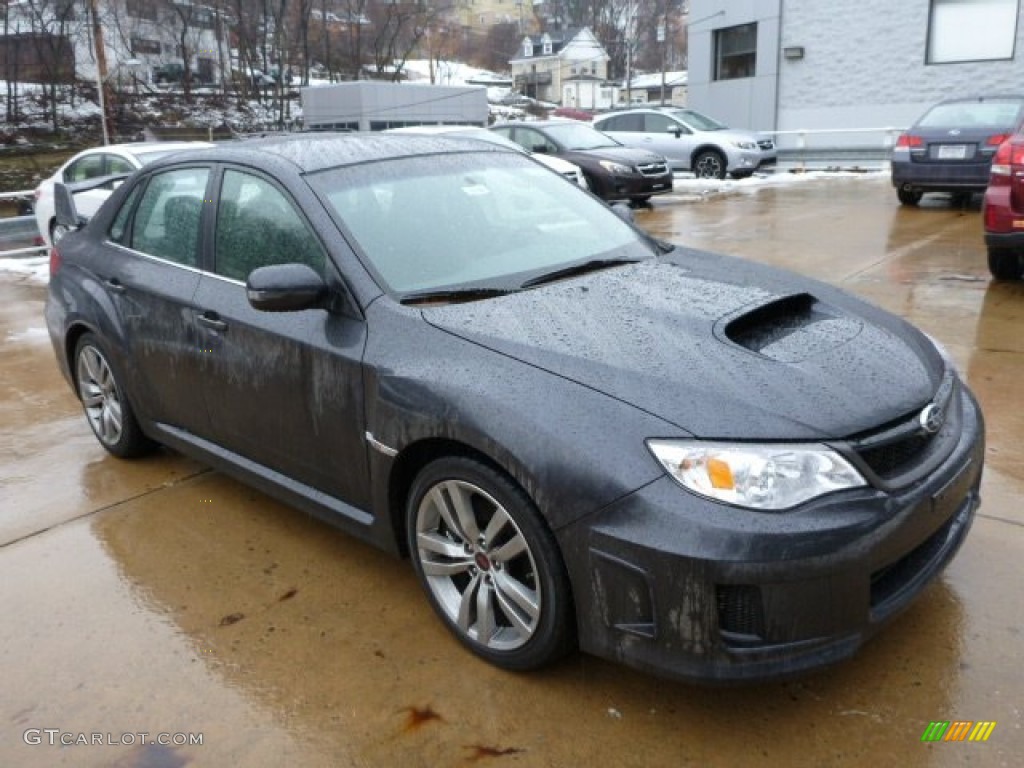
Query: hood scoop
x=790 y=329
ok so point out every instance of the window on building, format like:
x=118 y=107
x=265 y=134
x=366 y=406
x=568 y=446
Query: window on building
x=141 y=45
x=971 y=30
x=546 y=43
x=527 y=48
x=735 y=52
x=142 y=9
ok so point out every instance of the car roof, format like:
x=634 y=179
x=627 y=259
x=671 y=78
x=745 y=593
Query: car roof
x=317 y=151
x=983 y=97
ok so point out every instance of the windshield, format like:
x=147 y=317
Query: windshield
x=972 y=114
x=697 y=121
x=576 y=135
x=470 y=220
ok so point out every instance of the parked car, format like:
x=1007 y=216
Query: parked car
x=690 y=141
x=1003 y=211
x=93 y=163
x=950 y=148
x=571 y=171
x=693 y=464
x=613 y=172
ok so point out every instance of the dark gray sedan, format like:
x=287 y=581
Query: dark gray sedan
x=950 y=148
x=581 y=436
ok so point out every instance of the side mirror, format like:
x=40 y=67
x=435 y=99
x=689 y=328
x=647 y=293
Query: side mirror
x=676 y=131
x=624 y=212
x=64 y=208
x=285 y=288
x=540 y=149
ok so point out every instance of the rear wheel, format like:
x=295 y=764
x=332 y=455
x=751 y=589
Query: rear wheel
x=106 y=406
x=489 y=564
x=909 y=196
x=1005 y=264
x=709 y=164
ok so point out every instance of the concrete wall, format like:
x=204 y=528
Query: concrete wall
x=747 y=102
x=864 y=66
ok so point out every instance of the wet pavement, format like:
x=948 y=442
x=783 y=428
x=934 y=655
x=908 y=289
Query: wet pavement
x=157 y=596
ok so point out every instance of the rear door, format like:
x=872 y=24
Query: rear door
x=150 y=270
x=284 y=389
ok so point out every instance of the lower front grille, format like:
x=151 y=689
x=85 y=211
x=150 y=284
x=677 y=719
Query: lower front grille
x=893 y=458
x=740 y=610
x=888 y=582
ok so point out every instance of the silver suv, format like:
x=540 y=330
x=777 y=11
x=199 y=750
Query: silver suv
x=690 y=141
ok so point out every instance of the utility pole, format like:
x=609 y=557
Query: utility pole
x=630 y=10
x=101 y=69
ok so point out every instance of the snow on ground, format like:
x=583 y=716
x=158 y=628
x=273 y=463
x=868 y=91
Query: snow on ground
x=688 y=187
x=35 y=269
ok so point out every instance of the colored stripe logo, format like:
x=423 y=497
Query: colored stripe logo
x=958 y=730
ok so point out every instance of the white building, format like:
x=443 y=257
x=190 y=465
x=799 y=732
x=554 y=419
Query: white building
x=792 y=65
x=544 y=62
x=139 y=37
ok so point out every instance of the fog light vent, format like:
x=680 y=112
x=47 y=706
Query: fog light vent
x=740 y=610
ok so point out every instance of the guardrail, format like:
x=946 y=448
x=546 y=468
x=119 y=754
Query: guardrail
x=829 y=146
x=14 y=229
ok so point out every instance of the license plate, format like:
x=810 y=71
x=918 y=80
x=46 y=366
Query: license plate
x=952 y=152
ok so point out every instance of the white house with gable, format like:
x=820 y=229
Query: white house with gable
x=568 y=66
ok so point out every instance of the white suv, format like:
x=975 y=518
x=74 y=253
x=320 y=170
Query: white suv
x=690 y=141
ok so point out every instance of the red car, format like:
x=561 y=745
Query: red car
x=1004 y=211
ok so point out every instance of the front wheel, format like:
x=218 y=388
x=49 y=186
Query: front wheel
x=709 y=165
x=489 y=564
x=1005 y=264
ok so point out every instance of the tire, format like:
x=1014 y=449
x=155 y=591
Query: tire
x=106 y=404
x=909 y=196
x=709 y=164
x=961 y=199
x=1005 y=264
x=639 y=200
x=489 y=564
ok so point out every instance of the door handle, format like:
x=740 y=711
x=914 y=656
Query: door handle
x=212 y=320
x=114 y=285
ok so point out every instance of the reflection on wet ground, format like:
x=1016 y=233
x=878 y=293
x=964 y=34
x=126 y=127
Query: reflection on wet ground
x=158 y=596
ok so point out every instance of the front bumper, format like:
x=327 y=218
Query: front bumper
x=636 y=185
x=685 y=588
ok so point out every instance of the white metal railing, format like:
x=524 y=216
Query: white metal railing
x=885 y=141
x=33 y=250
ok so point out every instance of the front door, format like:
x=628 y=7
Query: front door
x=284 y=390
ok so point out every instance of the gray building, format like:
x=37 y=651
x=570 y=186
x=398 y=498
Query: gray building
x=793 y=65
x=367 y=105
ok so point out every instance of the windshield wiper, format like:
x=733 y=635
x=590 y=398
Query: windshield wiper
x=454 y=295
x=575 y=269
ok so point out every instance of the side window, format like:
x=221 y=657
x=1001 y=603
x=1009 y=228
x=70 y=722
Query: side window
x=119 y=229
x=534 y=140
x=662 y=124
x=117 y=164
x=167 y=219
x=88 y=167
x=258 y=226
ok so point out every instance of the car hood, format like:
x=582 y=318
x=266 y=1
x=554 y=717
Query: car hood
x=732 y=134
x=716 y=346
x=624 y=155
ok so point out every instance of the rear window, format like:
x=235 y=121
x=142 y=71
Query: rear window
x=970 y=114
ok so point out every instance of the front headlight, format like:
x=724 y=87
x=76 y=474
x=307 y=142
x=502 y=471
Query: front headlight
x=612 y=167
x=765 y=476
x=745 y=144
